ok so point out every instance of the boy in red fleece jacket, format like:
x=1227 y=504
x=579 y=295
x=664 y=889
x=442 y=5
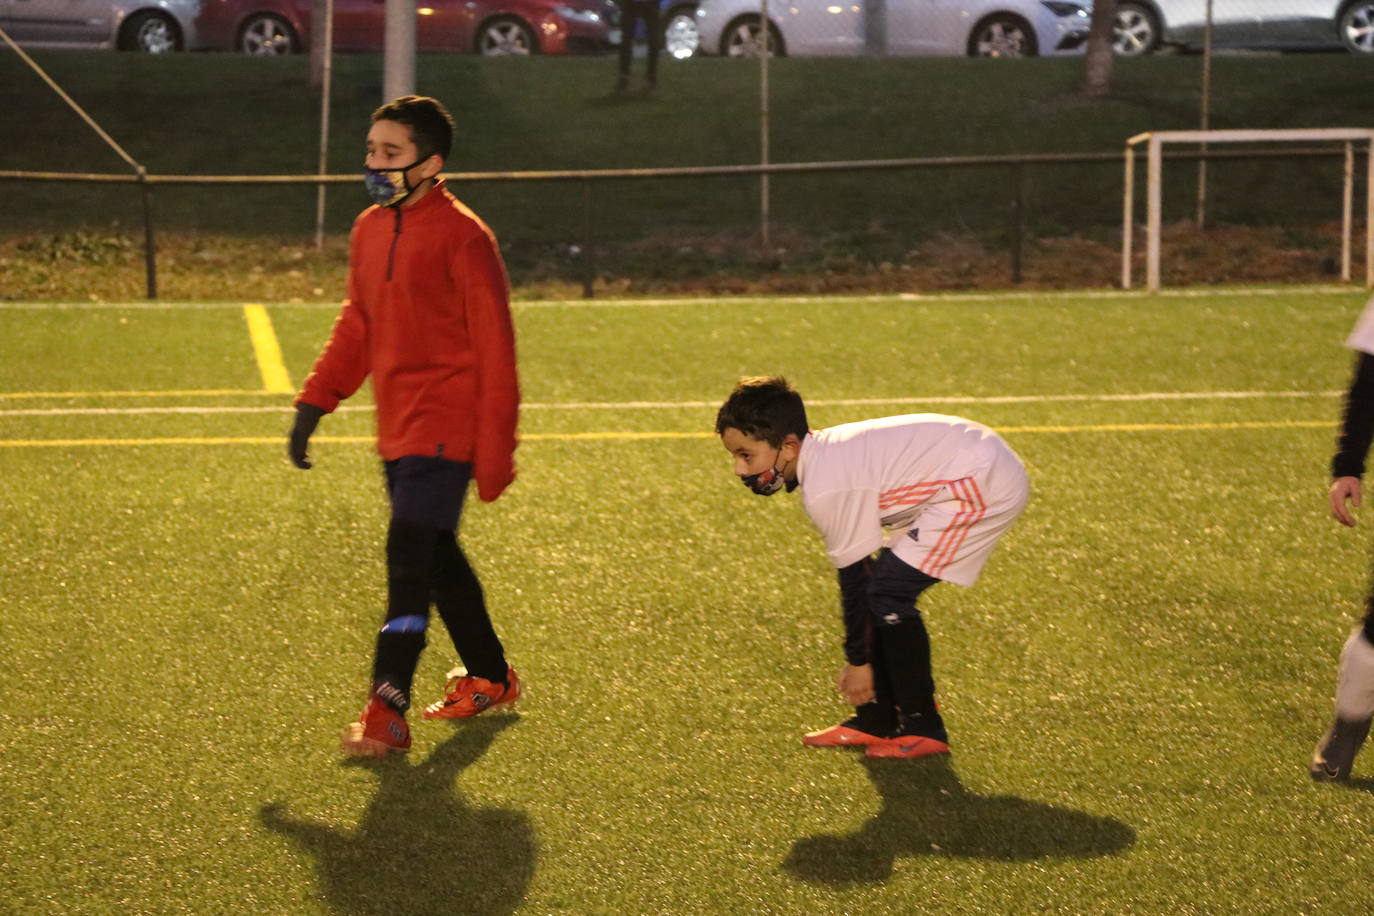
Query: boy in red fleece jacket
x=428 y=317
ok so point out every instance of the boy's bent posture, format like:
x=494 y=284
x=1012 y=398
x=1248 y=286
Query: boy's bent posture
x=943 y=489
x=428 y=317
x=1335 y=752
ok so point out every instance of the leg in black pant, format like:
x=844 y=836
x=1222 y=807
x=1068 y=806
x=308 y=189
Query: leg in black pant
x=426 y=502
x=651 y=25
x=878 y=717
x=630 y=13
x=458 y=597
x=904 y=645
x=410 y=563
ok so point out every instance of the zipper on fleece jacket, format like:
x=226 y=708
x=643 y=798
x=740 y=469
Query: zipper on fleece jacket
x=395 y=235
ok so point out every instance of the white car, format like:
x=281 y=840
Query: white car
x=977 y=28
x=1144 y=25
x=149 y=26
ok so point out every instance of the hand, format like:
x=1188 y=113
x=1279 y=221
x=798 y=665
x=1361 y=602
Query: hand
x=855 y=683
x=1343 y=488
x=307 y=418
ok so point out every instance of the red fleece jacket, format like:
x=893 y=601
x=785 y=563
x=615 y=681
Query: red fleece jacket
x=428 y=316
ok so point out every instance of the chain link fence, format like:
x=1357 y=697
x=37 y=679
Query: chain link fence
x=884 y=170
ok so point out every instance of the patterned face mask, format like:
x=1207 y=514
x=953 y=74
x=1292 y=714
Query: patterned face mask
x=766 y=482
x=388 y=187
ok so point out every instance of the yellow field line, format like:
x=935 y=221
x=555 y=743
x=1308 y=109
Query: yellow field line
x=267 y=350
x=622 y=436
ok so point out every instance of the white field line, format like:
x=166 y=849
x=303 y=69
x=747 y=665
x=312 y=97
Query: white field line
x=698 y=405
x=1016 y=296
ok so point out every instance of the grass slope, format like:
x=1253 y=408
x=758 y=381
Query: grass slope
x=225 y=114
x=1132 y=688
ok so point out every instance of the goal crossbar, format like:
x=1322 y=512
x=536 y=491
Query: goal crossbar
x=1154 y=142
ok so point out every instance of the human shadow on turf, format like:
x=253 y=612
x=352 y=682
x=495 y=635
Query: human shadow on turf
x=420 y=848
x=926 y=811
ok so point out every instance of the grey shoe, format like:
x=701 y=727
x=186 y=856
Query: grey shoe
x=1335 y=753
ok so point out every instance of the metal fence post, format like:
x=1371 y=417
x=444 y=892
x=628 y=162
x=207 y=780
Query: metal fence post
x=149 y=244
x=587 y=259
x=1018 y=180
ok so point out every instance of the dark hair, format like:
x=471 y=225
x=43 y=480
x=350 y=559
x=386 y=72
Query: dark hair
x=431 y=126
x=764 y=407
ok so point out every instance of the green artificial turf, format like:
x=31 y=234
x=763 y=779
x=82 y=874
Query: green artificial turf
x=1132 y=688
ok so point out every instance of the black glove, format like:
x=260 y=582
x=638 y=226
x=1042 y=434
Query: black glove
x=307 y=418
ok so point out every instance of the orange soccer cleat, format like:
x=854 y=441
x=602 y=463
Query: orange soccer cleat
x=906 y=746
x=466 y=696
x=380 y=730
x=843 y=735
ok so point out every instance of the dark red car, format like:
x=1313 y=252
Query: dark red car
x=488 y=27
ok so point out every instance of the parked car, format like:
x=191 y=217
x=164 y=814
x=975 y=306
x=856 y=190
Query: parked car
x=488 y=27
x=149 y=26
x=978 y=28
x=1143 y=26
x=680 y=35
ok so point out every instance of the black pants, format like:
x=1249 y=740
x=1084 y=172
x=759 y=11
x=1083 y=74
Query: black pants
x=899 y=647
x=631 y=13
x=426 y=566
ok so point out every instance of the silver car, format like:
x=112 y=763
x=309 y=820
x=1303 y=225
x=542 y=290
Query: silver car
x=1143 y=26
x=149 y=26
x=977 y=28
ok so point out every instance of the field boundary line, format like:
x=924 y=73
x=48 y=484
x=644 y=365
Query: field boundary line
x=664 y=405
x=267 y=350
x=1011 y=296
x=618 y=436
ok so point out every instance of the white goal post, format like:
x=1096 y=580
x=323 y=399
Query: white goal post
x=1154 y=165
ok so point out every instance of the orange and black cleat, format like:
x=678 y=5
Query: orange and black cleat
x=842 y=735
x=380 y=730
x=466 y=695
x=906 y=746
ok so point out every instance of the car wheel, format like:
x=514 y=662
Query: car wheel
x=1357 y=27
x=265 y=35
x=744 y=38
x=1136 y=31
x=1002 y=35
x=506 y=36
x=149 y=32
x=680 y=36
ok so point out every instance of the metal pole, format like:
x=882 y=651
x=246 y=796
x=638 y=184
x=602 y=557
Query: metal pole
x=1017 y=215
x=1201 y=218
x=328 y=72
x=764 y=235
x=1128 y=219
x=1154 y=203
x=1347 y=208
x=1369 y=215
x=398 y=65
x=588 y=265
x=149 y=244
